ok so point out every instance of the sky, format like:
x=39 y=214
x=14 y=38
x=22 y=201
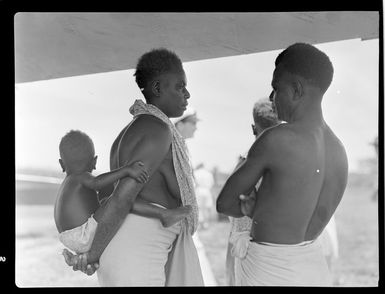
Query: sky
x=223 y=91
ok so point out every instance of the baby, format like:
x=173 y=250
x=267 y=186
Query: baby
x=77 y=208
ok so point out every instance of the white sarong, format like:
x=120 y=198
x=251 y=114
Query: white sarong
x=137 y=254
x=144 y=253
x=283 y=265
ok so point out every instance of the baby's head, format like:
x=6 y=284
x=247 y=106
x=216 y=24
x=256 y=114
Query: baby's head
x=77 y=152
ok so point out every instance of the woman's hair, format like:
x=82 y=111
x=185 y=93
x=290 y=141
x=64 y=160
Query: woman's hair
x=155 y=63
x=308 y=62
x=76 y=149
x=263 y=114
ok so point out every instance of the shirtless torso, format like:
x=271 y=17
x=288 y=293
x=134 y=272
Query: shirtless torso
x=162 y=188
x=302 y=184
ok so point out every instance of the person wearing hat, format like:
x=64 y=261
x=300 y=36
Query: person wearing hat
x=186 y=126
x=187 y=123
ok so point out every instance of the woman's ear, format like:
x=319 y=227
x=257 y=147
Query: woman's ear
x=155 y=88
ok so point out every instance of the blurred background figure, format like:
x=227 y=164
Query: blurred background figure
x=187 y=123
x=329 y=241
x=204 y=180
x=375 y=193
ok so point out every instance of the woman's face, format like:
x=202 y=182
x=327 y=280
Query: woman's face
x=174 y=94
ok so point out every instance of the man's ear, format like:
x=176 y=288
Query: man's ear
x=298 y=89
x=155 y=88
x=62 y=165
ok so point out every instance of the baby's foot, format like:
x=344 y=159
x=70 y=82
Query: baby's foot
x=172 y=216
x=69 y=257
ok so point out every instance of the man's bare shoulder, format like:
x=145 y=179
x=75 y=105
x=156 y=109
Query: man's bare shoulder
x=280 y=134
x=330 y=135
x=272 y=141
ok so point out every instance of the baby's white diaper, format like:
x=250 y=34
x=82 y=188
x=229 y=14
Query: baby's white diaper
x=79 y=239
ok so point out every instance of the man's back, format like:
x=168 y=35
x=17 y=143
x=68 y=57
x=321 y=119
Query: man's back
x=303 y=182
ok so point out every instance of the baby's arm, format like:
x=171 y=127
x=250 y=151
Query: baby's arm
x=135 y=170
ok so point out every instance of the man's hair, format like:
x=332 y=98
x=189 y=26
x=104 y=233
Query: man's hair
x=155 y=63
x=308 y=62
x=76 y=149
x=263 y=114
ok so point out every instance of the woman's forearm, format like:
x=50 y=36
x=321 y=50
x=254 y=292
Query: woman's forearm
x=112 y=215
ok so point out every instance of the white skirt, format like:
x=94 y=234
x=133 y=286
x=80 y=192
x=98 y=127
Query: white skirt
x=137 y=254
x=283 y=265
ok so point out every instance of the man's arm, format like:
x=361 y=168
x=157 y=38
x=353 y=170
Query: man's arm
x=244 y=178
x=151 y=150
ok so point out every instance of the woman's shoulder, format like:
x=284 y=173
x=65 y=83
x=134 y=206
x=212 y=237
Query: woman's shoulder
x=146 y=130
x=150 y=124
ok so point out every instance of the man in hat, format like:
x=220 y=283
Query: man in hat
x=187 y=123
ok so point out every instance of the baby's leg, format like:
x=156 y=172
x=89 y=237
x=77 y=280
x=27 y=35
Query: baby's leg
x=172 y=216
x=167 y=217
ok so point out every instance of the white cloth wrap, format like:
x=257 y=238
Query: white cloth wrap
x=79 y=239
x=240 y=242
x=283 y=265
x=137 y=254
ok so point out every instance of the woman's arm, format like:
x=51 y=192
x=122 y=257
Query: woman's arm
x=151 y=150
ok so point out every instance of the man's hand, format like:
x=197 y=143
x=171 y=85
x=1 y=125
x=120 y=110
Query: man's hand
x=248 y=203
x=79 y=262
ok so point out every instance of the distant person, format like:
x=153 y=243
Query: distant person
x=329 y=241
x=375 y=193
x=264 y=117
x=187 y=126
x=204 y=182
x=134 y=250
x=304 y=170
x=77 y=209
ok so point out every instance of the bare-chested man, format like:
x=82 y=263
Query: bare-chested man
x=133 y=250
x=304 y=168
